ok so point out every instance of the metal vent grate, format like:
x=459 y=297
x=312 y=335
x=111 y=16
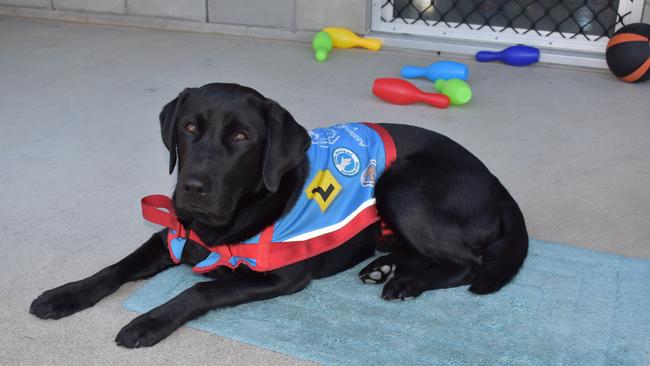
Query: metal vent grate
x=570 y=19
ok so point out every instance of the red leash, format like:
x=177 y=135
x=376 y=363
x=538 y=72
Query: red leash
x=159 y=209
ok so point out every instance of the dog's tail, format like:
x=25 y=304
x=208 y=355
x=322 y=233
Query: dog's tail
x=503 y=258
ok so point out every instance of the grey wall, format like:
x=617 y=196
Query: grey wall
x=646 y=12
x=47 y=4
x=235 y=15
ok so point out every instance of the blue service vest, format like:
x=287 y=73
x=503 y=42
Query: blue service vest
x=337 y=202
x=345 y=161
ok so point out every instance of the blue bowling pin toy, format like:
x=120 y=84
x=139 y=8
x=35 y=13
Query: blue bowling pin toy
x=518 y=55
x=437 y=70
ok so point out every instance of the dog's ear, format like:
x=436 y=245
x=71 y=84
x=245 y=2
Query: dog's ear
x=286 y=143
x=168 y=122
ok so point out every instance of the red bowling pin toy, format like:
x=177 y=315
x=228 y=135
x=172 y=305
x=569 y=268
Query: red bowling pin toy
x=398 y=91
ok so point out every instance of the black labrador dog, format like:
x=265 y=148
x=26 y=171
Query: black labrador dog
x=242 y=164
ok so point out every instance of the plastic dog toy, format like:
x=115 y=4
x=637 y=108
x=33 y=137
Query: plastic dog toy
x=345 y=38
x=437 y=70
x=457 y=90
x=518 y=55
x=398 y=91
x=322 y=45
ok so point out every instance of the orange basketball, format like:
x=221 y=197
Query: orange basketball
x=628 y=53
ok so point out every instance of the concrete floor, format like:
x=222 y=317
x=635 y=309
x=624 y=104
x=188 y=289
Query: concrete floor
x=80 y=145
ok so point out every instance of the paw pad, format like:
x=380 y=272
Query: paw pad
x=377 y=274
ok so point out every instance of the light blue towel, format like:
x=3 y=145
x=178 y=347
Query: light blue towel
x=567 y=306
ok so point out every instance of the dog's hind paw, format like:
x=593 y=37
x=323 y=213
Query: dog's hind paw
x=400 y=288
x=378 y=271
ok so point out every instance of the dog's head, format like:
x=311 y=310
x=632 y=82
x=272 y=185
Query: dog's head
x=230 y=143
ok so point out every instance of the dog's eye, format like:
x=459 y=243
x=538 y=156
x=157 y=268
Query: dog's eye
x=239 y=136
x=191 y=127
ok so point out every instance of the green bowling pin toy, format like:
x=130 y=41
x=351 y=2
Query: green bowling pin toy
x=322 y=45
x=457 y=90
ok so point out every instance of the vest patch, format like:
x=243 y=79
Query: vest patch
x=323 y=189
x=346 y=161
x=369 y=175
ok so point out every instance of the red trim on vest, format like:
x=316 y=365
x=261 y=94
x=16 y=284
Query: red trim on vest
x=285 y=253
x=389 y=144
x=268 y=255
x=391 y=155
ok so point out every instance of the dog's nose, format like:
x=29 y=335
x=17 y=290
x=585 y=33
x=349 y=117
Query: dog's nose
x=194 y=186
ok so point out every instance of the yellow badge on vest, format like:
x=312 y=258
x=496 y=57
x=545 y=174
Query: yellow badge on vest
x=323 y=189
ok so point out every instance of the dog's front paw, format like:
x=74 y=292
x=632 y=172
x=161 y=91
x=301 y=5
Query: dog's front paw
x=56 y=303
x=143 y=331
